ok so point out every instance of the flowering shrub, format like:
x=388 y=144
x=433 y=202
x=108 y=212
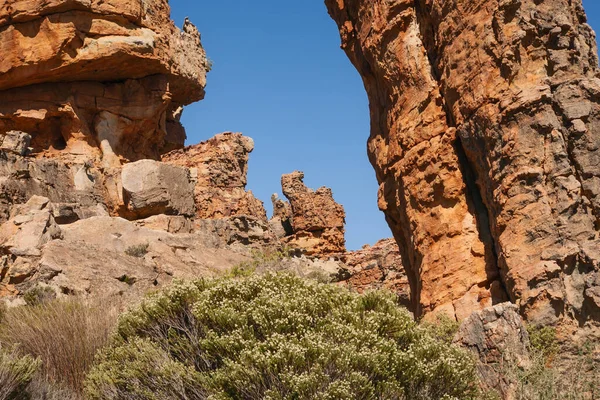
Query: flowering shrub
x=276 y=336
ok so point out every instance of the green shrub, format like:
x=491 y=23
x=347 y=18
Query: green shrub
x=276 y=336
x=262 y=261
x=548 y=376
x=137 y=251
x=16 y=374
x=443 y=327
x=39 y=295
x=543 y=340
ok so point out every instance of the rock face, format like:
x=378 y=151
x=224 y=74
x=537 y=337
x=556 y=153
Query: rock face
x=485 y=140
x=497 y=336
x=81 y=75
x=377 y=267
x=220 y=168
x=317 y=220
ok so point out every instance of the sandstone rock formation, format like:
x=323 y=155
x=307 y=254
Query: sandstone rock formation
x=497 y=336
x=104 y=255
x=220 y=168
x=81 y=75
x=317 y=220
x=377 y=267
x=485 y=139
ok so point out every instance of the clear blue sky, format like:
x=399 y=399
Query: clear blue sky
x=280 y=77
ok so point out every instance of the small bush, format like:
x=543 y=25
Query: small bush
x=262 y=261
x=39 y=295
x=63 y=334
x=543 y=340
x=16 y=374
x=276 y=336
x=137 y=251
x=443 y=327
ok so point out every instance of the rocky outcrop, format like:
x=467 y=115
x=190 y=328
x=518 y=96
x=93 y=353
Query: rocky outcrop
x=98 y=78
x=377 y=267
x=485 y=138
x=317 y=220
x=220 y=168
x=499 y=339
x=107 y=255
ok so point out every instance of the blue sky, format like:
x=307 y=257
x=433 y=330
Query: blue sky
x=280 y=77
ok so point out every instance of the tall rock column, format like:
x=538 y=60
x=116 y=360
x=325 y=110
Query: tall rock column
x=517 y=80
x=449 y=259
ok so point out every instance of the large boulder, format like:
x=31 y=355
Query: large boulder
x=499 y=340
x=15 y=142
x=152 y=188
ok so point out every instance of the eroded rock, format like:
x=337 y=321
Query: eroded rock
x=78 y=75
x=377 y=267
x=484 y=140
x=499 y=339
x=317 y=220
x=220 y=167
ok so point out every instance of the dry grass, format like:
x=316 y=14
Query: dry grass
x=64 y=335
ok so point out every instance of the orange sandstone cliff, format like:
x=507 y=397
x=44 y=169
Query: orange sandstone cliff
x=485 y=139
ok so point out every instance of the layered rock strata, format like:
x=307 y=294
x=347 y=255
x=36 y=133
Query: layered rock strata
x=79 y=76
x=317 y=221
x=485 y=141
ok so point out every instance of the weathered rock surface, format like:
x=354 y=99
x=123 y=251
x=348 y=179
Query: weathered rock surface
x=220 y=169
x=377 y=267
x=317 y=220
x=153 y=188
x=106 y=255
x=15 y=142
x=281 y=221
x=485 y=142
x=498 y=337
x=79 y=189
x=82 y=75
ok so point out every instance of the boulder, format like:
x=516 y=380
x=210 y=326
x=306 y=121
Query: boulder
x=499 y=340
x=152 y=188
x=220 y=169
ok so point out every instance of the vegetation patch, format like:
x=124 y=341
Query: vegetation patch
x=39 y=295
x=137 y=251
x=276 y=336
x=64 y=336
x=16 y=374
